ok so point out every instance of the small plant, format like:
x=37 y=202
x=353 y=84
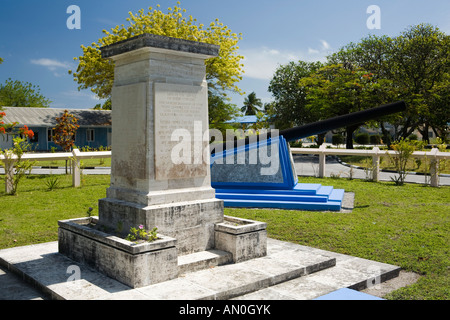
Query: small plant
x=351 y=173
x=335 y=175
x=89 y=212
x=53 y=150
x=369 y=168
x=141 y=234
x=52 y=182
x=15 y=166
x=442 y=148
x=404 y=149
x=102 y=160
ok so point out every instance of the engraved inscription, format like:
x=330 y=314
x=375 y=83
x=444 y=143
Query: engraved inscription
x=180 y=108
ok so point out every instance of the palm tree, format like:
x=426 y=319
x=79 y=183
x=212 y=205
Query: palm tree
x=251 y=104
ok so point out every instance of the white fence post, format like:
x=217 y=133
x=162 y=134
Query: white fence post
x=434 y=168
x=322 y=162
x=76 y=168
x=376 y=164
x=9 y=172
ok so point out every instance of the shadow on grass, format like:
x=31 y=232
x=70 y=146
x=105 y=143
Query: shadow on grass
x=36 y=177
x=362 y=207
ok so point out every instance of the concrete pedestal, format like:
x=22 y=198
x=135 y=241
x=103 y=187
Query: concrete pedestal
x=160 y=173
x=160 y=97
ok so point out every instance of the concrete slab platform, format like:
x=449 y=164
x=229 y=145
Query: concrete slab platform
x=12 y=287
x=349 y=272
x=289 y=271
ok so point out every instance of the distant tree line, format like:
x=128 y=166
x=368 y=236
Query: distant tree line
x=414 y=67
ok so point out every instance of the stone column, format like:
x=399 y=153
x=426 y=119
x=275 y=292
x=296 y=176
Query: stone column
x=160 y=99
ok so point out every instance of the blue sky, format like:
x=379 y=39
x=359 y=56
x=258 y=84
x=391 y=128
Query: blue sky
x=37 y=46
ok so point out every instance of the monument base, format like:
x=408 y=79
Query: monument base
x=191 y=222
x=137 y=265
x=134 y=264
x=244 y=239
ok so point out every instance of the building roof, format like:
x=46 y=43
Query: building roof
x=244 y=120
x=46 y=117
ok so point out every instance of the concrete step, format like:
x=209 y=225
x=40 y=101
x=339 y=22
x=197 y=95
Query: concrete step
x=349 y=273
x=302 y=197
x=203 y=260
x=51 y=272
x=271 y=197
x=287 y=205
x=289 y=271
x=298 y=189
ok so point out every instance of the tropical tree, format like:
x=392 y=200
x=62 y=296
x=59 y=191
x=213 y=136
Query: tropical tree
x=440 y=102
x=65 y=130
x=105 y=106
x=1 y=60
x=336 y=90
x=222 y=72
x=417 y=62
x=422 y=64
x=22 y=94
x=288 y=108
x=252 y=105
x=220 y=111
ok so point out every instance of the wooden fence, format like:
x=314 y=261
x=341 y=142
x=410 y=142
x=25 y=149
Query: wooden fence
x=75 y=157
x=434 y=156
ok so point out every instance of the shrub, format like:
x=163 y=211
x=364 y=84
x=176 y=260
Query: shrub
x=362 y=138
x=375 y=139
x=337 y=139
x=13 y=162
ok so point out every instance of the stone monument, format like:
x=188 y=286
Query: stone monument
x=159 y=87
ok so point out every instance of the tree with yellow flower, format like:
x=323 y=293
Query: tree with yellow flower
x=223 y=72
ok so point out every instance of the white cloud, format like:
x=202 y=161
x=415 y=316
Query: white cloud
x=325 y=45
x=52 y=65
x=313 y=51
x=261 y=63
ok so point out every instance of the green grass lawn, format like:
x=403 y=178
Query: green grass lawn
x=407 y=226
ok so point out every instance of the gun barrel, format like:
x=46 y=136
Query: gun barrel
x=312 y=129
x=323 y=126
